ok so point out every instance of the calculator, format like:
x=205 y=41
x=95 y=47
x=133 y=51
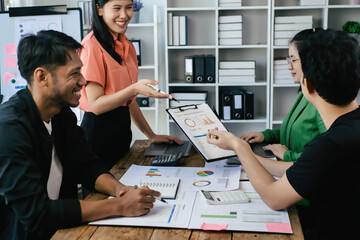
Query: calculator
x=225 y=197
x=167 y=160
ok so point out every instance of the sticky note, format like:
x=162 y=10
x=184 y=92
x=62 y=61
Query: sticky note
x=279 y=227
x=8 y=76
x=214 y=227
x=10 y=62
x=10 y=49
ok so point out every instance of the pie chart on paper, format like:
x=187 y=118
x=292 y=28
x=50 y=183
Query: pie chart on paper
x=205 y=173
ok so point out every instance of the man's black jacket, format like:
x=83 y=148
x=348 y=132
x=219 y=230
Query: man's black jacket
x=26 y=212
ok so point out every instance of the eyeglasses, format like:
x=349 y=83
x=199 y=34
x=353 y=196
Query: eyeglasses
x=291 y=61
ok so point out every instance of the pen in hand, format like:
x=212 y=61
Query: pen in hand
x=158 y=90
x=157 y=198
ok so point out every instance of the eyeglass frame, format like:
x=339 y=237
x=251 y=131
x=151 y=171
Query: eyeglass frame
x=291 y=61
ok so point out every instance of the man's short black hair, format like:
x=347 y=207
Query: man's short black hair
x=330 y=60
x=48 y=49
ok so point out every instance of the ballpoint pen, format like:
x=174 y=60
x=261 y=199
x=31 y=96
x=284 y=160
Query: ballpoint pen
x=158 y=90
x=157 y=198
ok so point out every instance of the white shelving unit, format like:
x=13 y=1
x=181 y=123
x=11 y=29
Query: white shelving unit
x=149 y=69
x=203 y=37
x=331 y=15
x=272 y=101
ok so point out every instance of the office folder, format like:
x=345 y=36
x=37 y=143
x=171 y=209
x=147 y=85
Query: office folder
x=189 y=69
x=236 y=64
x=183 y=37
x=176 y=31
x=237 y=110
x=199 y=69
x=230 y=19
x=210 y=69
x=230 y=26
x=230 y=34
x=226 y=103
x=248 y=104
x=170 y=29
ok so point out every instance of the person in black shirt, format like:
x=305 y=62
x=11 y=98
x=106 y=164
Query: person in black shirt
x=326 y=172
x=44 y=154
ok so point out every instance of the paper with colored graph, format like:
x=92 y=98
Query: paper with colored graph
x=192 y=178
x=254 y=216
x=195 y=121
x=175 y=214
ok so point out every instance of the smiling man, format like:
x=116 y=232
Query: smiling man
x=43 y=153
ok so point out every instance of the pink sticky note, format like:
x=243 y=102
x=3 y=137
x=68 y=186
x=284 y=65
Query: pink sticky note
x=214 y=227
x=10 y=49
x=8 y=76
x=279 y=227
x=10 y=62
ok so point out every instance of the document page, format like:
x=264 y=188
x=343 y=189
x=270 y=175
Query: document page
x=253 y=216
x=175 y=214
x=196 y=121
x=191 y=178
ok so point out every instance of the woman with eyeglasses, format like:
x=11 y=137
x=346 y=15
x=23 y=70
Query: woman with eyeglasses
x=302 y=123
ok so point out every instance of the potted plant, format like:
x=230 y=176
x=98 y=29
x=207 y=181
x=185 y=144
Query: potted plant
x=137 y=5
x=353 y=28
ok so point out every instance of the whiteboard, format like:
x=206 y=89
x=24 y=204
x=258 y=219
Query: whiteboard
x=10 y=81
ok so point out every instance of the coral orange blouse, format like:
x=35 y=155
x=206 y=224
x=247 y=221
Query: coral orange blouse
x=100 y=67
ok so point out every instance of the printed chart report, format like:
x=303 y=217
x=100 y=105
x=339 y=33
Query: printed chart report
x=196 y=121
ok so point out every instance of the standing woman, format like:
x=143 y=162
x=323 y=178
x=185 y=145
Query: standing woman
x=111 y=70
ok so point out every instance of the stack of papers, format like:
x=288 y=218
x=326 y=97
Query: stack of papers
x=190 y=209
x=230 y=30
x=235 y=72
x=282 y=75
x=287 y=27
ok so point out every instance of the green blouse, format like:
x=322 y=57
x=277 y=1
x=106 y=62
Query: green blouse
x=301 y=125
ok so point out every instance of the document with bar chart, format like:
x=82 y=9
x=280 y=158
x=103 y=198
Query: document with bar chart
x=175 y=214
x=195 y=121
x=253 y=216
x=191 y=178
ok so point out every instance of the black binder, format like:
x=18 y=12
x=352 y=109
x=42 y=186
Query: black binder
x=237 y=109
x=249 y=104
x=189 y=69
x=226 y=103
x=199 y=69
x=210 y=69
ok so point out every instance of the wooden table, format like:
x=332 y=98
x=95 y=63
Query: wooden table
x=136 y=156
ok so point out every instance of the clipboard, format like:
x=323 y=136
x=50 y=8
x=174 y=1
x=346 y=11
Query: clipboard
x=195 y=121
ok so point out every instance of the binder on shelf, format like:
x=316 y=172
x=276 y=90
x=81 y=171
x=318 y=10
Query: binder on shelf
x=176 y=30
x=170 y=29
x=225 y=103
x=248 y=104
x=230 y=19
x=230 y=41
x=236 y=79
x=232 y=4
x=189 y=69
x=230 y=34
x=237 y=111
x=236 y=64
x=199 y=69
x=230 y=26
x=237 y=72
x=292 y=26
x=188 y=98
x=183 y=37
x=210 y=69
x=294 y=19
x=311 y=2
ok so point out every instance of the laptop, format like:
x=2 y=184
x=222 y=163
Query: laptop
x=156 y=149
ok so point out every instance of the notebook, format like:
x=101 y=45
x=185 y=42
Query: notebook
x=166 y=186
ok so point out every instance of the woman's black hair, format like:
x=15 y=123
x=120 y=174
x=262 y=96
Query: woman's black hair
x=101 y=32
x=298 y=39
